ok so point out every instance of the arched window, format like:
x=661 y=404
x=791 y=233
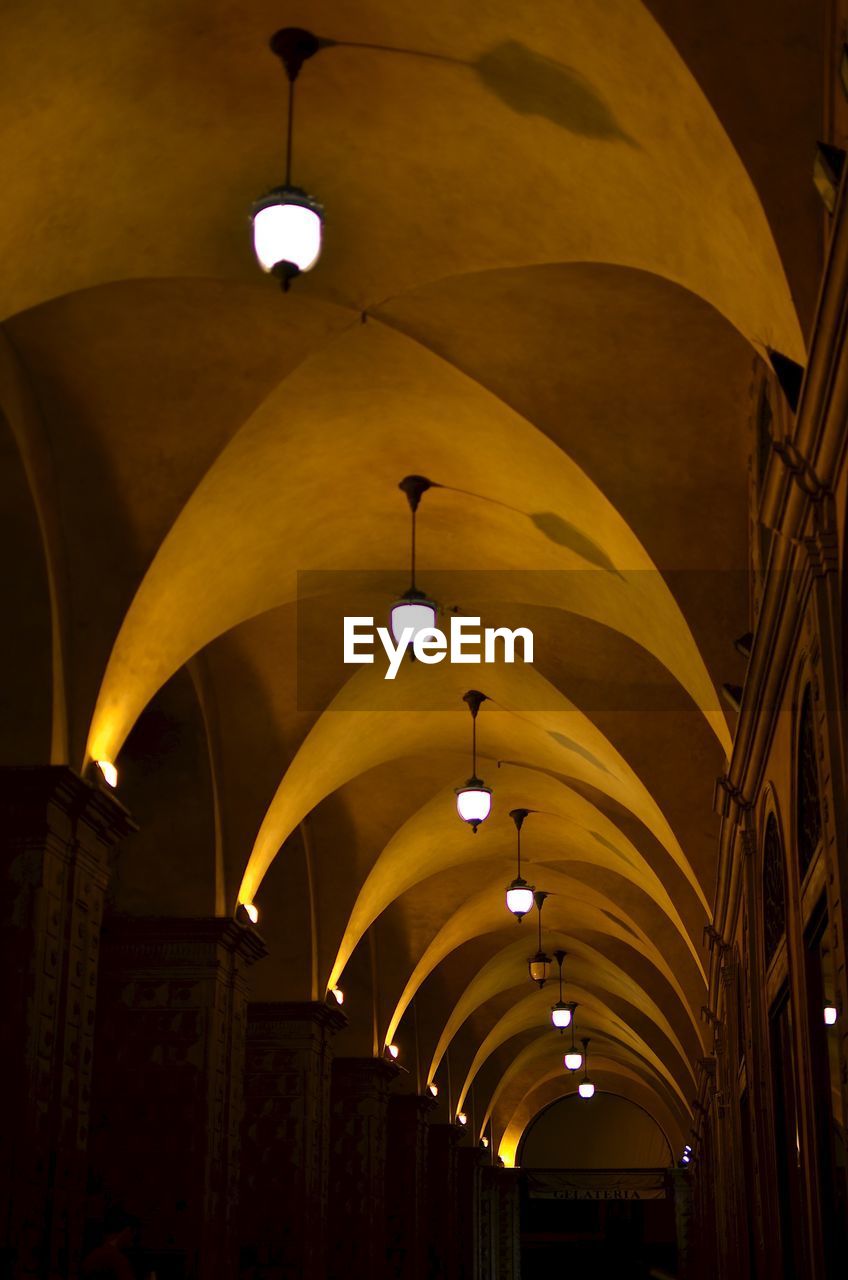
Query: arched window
x=774 y=889
x=809 y=824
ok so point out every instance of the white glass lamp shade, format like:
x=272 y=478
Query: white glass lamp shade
x=287 y=230
x=830 y=1015
x=586 y=1089
x=561 y=1015
x=415 y=611
x=519 y=898
x=474 y=803
x=573 y=1060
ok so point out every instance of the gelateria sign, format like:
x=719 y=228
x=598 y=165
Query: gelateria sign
x=601 y=1184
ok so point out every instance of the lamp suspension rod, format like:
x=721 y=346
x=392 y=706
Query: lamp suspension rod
x=290 y=129
x=414 y=513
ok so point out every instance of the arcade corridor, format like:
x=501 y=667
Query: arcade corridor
x=423 y=714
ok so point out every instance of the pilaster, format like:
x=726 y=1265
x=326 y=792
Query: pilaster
x=168 y=1085
x=57 y=837
x=286 y=1137
x=358 y=1148
x=406 y=1196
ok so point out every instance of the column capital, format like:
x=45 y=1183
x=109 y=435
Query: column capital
x=184 y=942
x=270 y=1016
x=37 y=798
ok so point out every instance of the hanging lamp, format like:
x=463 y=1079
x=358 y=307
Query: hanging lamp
x=573 y=1060
x=539 y=964
x=561 y=1011
x=413 y=609
x=586 y=1088
x=474 y=800
x=288 y=223
x=519 y=894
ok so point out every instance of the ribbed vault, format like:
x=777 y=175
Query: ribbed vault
x=553 y=256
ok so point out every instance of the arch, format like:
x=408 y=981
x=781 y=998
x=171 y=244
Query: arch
x=569 y=1111
x=808 y=814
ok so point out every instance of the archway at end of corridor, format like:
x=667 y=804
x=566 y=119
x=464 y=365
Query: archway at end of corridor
x=597 y=1191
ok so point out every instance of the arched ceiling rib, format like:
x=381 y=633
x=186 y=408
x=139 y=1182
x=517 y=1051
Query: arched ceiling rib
x=574 y=906
x=585 y=964
x=610 y=1076
x=568 y=828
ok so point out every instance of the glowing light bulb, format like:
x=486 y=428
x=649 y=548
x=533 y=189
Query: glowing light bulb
x=108 y=772
x=830 y=1014
x=573 y=1060
x=434 y=1089
x=338 y=994
x=392 y=1050
x=586 y=1089
x=461 y=1118
x=561 y=1015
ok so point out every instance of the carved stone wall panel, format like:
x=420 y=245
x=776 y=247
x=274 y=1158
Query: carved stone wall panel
x=443 y=1202
x=358 y=1143
x=285 y=1138
x=58 y=833
x=168 y=1086
x=406 y=1194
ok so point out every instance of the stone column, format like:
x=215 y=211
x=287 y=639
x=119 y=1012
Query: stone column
x=58 y=833
x=508 y=1238
x=681 y=1186
x=168 y=1085
x=286 y=1138
x=472 y=1160
x=358 y=1143
x=442 y=1177
x=406 y=1195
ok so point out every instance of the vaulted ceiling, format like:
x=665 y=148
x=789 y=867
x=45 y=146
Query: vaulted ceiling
x=559 y=239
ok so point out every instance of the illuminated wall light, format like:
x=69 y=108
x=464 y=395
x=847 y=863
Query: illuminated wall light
x=830 y=1014
x=461 y=1118
x=247 y=913
x=434 y=1089
x=108 y=772
x=392 y=1050
x=338 y=994
x=484 y=1143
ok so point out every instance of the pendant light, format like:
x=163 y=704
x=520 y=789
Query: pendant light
x=539 y=964
x=586 y=1088
x=413 y=609
x=474 y=800
x=519 y=894
x=561 y=1011
x=287 y=223
x=573 y=1060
